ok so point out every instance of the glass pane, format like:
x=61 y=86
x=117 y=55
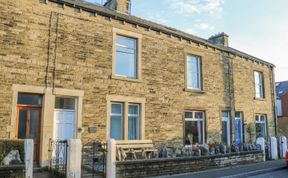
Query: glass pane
x=188 y=114
x=116 y=128
x=238 y=114
x=193 y=73
x=65 y=103
x=22 y=124
x=225 y=114
x=260 y=130
x=262 y=118
x=116 y=108
x=133 y=109
x=199 y=115
x=126 y=64
x=34 y=124
x=126 y=42
x=256 y=77
x=126 y=56
x=29 y=99
x=133 y=128
x=257 y=119
x=224 y=132
x=194 y=132
x=125 y=50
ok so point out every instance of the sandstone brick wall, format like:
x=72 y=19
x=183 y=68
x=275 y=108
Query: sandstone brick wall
x=162 y=167
x=84 y=62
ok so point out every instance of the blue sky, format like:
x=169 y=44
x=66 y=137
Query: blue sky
x=257 y=27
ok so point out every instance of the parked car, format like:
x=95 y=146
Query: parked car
x=287 y=158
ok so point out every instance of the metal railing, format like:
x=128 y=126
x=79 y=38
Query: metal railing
x=94 y=160
x=58 y=162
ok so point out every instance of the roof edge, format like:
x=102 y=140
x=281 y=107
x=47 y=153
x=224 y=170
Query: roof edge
x=154 y=26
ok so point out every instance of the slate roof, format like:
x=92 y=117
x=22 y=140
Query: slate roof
x=281 y=88
x=154 y=26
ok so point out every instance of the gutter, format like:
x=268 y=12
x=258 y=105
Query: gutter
x=152 y=26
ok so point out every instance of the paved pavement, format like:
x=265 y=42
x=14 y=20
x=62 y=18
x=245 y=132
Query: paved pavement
x=238 y=171
x=276 y=174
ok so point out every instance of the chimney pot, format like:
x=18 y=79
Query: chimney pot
x=122 y=6
x=220 y=39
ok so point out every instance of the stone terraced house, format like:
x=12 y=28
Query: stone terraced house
x=70 y=69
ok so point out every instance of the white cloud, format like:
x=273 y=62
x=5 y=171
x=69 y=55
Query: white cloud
x=196 y=6
x=200 y=27
x=204 y=26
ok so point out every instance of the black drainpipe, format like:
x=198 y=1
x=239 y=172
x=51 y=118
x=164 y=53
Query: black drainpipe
x=55 y=54
x=272 y=86
x=49 y=46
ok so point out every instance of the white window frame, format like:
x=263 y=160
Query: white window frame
x=129 y=34
x=135 y=56
x=199 y=72
x=118 y=114
x=196 y=119
x=228 y=121
x=138 y=119
x=259 y=86
x=259 y=121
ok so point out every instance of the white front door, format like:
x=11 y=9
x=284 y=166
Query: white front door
x=64 y=124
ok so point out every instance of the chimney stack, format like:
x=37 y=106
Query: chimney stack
x=122 y=6
x=220 y=39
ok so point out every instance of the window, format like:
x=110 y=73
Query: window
x=116 y=121
x=133 y=122
x=125 y=120
x=261 y=126
x=194 y=127
x=193 y=72
x=126 y=57
x=65 y=103
x=259 y=84
x=29 y=99
x=226 y=127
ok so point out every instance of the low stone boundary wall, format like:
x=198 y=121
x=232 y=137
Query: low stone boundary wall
x=170 y=166
x=12 y=158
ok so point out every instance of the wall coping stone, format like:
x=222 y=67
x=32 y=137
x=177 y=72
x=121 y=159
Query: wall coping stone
x=187 y=158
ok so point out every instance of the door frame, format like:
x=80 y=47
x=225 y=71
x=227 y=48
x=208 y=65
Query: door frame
x=48 y=94
x=30 y=107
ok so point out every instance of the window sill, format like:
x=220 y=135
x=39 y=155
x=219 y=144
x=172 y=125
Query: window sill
x=194 y=91
x=115 y=77
x=260 y=99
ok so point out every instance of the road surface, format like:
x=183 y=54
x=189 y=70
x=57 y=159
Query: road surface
x=267 y=169
x=275 y=174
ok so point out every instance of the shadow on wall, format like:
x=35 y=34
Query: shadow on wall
x=283 y=126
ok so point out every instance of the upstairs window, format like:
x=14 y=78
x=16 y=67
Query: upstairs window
x=126 y=57
x=259 y=84
x=193 y=72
